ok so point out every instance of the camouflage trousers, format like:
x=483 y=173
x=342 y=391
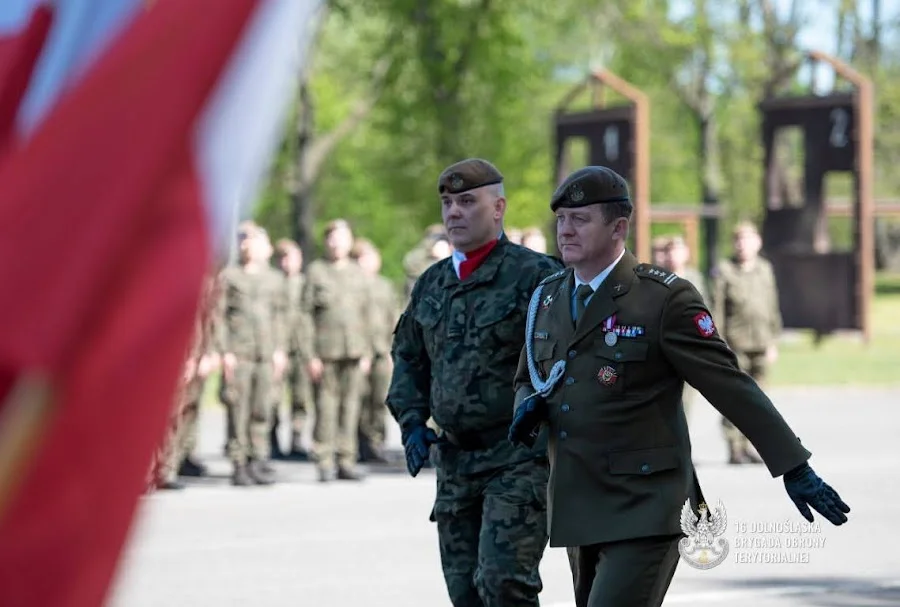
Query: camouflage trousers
x=756 y=366
x=373 y=408
x=337 y=414
x=248 y=399
x=181 y=434
x=492 y=532
x=300 y=395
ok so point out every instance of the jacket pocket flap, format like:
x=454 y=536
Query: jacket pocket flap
x=543 y=350
x=625 y=351
x=644 y=461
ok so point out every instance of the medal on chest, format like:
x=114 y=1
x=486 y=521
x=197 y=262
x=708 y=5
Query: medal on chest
x=609 y=326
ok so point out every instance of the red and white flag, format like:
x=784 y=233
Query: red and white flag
x=129 y=130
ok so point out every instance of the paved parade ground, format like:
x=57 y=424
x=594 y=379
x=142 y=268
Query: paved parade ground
x=301 y=543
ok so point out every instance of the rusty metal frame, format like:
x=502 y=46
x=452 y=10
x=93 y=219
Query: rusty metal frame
x=640 y=102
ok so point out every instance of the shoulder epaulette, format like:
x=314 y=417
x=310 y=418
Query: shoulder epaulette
x=646 y=270
x=553 y=277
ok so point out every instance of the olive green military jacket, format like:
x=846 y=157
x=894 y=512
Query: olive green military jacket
x=335 y=299
x=746 y=306
x=296 y=321
x=250 y=324
x=384 y=309
x=455 y=352
x=620 y=453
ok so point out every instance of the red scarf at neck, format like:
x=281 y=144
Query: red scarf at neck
x=474 y=259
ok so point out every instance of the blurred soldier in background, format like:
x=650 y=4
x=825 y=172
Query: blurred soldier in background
x=514 y=235
x=434 y=247
x=384 y=311
x=658 y=251
x=175 y=454
x=249 y=338
x=299 y=352
x=336 y=300
x=746 y=309
x=534 y=239
x=676 y=255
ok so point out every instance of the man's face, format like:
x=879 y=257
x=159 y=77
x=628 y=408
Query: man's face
x=338 y=243
x=582 y=234
x=370 y=262
x=472 y=218
x=677 y=255
x=262 y=248
x=747 y=244
x=441 y=249
x=292 y=262
x=535 y=242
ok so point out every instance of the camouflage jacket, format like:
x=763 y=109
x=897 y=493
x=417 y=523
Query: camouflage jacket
x=335 y=300
x=456 y=348
x=297 y=323
x=383 y=311
x=250 y=323
x=746 y=307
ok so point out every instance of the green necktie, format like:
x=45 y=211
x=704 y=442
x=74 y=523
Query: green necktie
x=581 y=296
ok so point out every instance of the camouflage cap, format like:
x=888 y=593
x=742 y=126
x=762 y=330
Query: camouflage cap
x=467 y=175
x=590 y=185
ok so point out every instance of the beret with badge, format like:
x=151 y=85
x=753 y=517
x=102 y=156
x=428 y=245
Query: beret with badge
x=467 y=175
x=590 y=185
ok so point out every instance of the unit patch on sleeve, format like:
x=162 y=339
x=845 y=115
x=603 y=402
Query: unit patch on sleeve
x=705 y=325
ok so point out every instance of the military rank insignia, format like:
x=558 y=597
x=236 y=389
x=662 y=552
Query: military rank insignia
x=705 y=325
x=607 y=376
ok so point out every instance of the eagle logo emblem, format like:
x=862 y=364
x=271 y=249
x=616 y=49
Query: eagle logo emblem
x=705 y=325
x=456 y=181
x=576 y=194
x=703 y=548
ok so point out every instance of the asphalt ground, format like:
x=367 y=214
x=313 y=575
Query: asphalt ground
x=370 y=543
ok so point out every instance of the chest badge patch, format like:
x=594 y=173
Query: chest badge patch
x=547 y=301
x=607 y=376
x=705 y=325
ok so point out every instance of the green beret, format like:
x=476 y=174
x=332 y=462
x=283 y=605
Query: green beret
x=590 y=185
x=467 y=175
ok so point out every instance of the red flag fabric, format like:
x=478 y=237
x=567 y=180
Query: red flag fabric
x=103 y=246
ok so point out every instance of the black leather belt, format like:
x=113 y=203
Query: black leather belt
x=476 y=441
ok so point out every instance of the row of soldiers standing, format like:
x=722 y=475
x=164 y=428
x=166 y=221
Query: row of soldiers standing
x=743 y=296
x=322 y=337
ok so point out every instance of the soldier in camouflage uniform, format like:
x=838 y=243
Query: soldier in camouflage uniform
x=434 y=247
x=455 y=352
x=677 y=254
x=250 y=339
x=199 y=363
x=384 y=311
x=296 y=378
x=747 y=312
x=336 y=301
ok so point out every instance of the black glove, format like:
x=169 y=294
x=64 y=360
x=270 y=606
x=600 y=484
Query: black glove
x=416 y=443
x=527 y=420
x=805 y=487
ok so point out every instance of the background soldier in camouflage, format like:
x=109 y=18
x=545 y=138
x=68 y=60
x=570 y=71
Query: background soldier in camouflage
x=749 y=317
x=534 y=239
x=455 y=352
x=383 y=310
x=199 y=363
x=299 y=352
x=677 y=255
x=336 y=301
x=249 y=338
x=434 y=247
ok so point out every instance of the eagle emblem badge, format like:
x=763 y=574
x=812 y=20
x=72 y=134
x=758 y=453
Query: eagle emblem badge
x=456 y=181
x=701 y=549
x=607 y=376
x=705 y=325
